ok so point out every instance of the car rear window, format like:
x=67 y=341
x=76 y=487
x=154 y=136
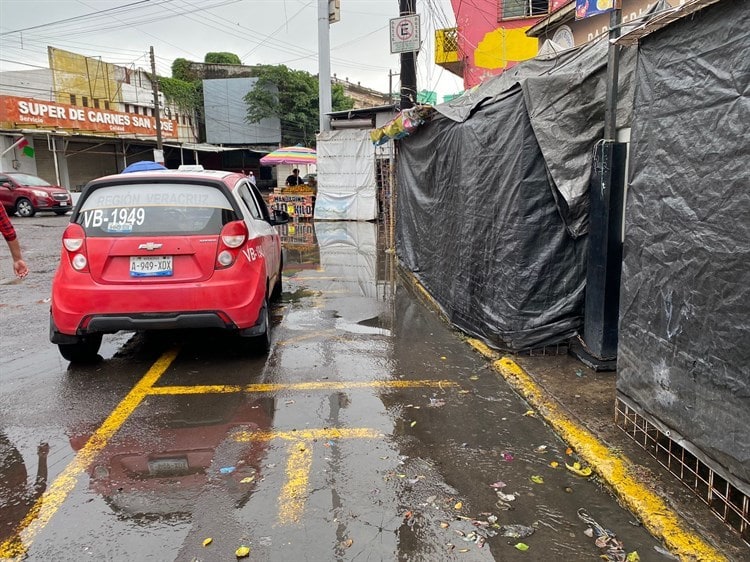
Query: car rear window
x=163 y=208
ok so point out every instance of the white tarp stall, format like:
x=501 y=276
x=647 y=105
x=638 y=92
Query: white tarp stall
x=346 y=176
x=348 y=255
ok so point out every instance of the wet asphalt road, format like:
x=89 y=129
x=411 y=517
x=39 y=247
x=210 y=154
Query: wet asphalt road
x=370 y=432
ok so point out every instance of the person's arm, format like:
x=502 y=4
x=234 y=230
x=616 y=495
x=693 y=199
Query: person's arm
x=9 y=233
x=19 y=266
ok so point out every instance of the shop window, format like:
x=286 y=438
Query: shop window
x=73 y=100
x=106 y=104
x=523 y=8
x=96 y=103
x=84 y=101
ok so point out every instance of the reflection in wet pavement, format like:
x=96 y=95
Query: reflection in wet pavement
x=371 y=432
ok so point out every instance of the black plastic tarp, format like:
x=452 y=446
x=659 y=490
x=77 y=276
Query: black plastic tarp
x=493 y=197
x=684 y=348
x=564 y=97
x=479 y=226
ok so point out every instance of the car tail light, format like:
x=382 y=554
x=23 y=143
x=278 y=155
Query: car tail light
x=233 y=236
x=74 y=244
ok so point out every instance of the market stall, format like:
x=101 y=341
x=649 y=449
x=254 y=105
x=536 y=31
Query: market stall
x=297 y=200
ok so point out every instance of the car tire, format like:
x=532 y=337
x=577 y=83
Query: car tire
x=24 y=208
x=279 y=286
x=84 y=351
x=262 y=343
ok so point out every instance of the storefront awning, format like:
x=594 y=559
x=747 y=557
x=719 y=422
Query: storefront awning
x=204 y=147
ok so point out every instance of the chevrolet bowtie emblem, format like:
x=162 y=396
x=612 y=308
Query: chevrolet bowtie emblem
x=150 y=246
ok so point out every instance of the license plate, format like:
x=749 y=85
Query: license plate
x=150 y=266
x=167 y=466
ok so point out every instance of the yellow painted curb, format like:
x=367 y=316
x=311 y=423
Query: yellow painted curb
x=656 y=516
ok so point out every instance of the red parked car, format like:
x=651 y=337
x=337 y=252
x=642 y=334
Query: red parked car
x=27 y=195
x=164 y=250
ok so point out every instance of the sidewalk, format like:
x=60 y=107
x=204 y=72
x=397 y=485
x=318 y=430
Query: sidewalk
x=580 y=403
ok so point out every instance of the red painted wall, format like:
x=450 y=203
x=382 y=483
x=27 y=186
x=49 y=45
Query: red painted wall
x=489 y=45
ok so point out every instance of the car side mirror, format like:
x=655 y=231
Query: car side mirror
x=279 y=217
x=7 y=184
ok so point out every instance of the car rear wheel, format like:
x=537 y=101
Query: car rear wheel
x=83 y=351
x=278 y=287
x=24 y=208
x=262 y=343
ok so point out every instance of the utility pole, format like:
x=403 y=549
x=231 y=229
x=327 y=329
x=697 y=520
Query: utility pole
x=157 y=112
x=408 y=61
x=391 y=74
x=613 y=74
x=324 y=65
x=606 y=206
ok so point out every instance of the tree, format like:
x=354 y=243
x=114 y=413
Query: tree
x=186 y=95
x=222 y=58
x=292 y=96
x=182 y=71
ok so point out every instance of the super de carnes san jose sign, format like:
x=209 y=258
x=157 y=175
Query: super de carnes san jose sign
x=25 y=112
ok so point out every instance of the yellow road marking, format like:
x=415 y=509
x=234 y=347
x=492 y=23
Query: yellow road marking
x=660 y=520
x=46 y=506
x=308 y=434
x=319 y=385
x=292 y=498
x=294 y=493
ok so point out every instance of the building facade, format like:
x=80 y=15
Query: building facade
x=84 y=118
x=562 y=30
x=490 y=37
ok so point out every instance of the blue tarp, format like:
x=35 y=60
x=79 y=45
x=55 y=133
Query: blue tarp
x=143 y=166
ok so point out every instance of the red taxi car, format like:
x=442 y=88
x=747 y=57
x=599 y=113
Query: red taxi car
x=27 y=195
x=164 y=250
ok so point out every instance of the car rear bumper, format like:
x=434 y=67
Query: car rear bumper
x=170 y=321
x=85 y=309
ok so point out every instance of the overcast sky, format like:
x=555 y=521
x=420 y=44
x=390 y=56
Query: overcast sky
x=258 y=31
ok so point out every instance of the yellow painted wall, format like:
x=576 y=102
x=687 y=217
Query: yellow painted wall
x=502 y=47
x=82 y=76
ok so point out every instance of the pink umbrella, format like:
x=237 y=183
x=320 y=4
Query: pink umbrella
x=290 y=155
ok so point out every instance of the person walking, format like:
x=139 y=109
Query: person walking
x=9 y=233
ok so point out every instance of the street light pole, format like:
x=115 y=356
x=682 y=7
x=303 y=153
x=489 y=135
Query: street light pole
x=324 y=65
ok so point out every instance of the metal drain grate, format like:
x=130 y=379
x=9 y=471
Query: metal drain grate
x=730 y=503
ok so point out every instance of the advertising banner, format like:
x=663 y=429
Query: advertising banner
x=588 y=8
x=16 y=111
x=296 y=204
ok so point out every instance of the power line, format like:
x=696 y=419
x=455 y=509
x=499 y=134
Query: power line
x=77 y=18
